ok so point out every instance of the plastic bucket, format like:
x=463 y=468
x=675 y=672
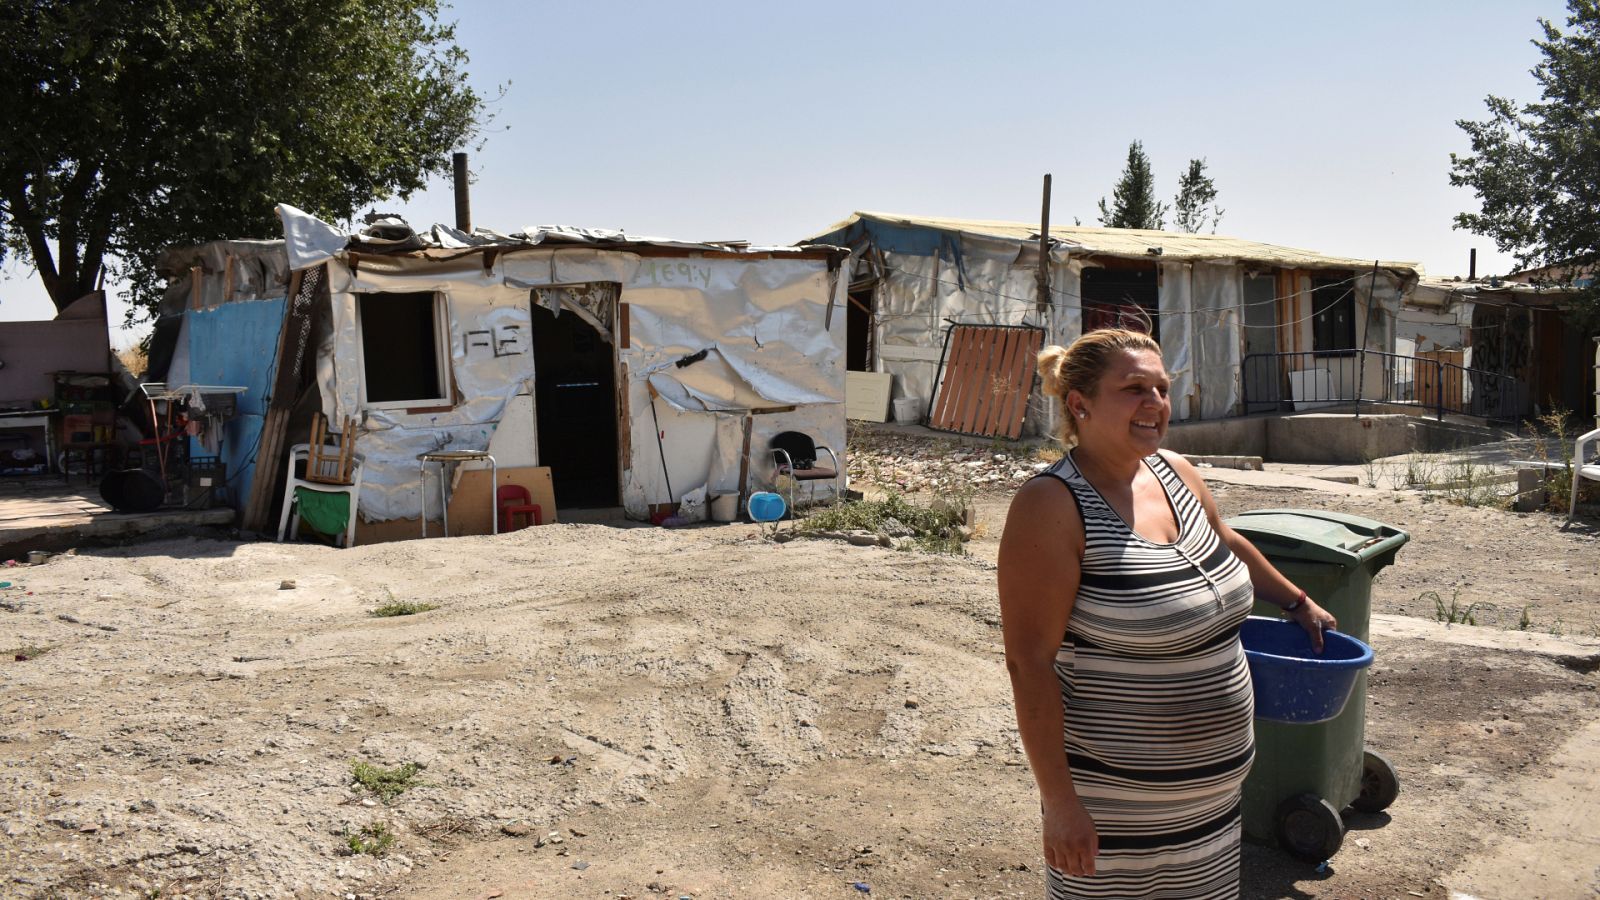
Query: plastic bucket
x=1293 y=683
x=765 y=506
x=724 y=507
x=908 y=410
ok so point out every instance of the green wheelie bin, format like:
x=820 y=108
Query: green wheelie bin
x=1305 y=774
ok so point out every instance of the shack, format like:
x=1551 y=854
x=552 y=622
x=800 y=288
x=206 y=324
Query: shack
x=1244 y=326
x=635 y=370
x=1522 y=353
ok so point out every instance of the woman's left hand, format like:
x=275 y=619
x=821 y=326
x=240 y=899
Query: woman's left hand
x=1314 y=619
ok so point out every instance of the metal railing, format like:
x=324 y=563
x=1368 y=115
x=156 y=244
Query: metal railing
x=1304 y=381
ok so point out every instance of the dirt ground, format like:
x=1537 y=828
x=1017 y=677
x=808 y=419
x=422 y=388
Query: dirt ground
x=615 y=712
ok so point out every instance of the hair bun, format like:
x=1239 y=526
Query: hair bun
x=1050 y=361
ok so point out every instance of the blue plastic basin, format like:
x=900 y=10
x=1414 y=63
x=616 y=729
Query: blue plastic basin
x=1293 y=683
x=766 y=507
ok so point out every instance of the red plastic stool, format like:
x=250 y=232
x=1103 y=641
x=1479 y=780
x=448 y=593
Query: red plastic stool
x=513 y=500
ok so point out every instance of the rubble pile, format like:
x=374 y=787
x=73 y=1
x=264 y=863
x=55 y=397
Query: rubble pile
x=912 y=464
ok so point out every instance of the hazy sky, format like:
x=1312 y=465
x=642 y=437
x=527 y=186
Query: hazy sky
x=1325 y=126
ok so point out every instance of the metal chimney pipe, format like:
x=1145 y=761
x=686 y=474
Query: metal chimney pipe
x=463 y=199
x=1472 y=263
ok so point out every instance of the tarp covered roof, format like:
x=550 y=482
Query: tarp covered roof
x=1442 y=291
x=1120 y=242
x=311 y=241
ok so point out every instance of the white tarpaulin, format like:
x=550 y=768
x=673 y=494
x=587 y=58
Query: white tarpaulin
x=310 y=241
x=972 y=281
x=1176 y=304
x=1217 y=292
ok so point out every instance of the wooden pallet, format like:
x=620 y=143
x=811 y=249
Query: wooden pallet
x=986 y=379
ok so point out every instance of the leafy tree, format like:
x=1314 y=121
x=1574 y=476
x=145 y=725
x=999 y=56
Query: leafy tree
x=1195 y=207
x=1536 y=169
x=1133 y=199
x=131 y=127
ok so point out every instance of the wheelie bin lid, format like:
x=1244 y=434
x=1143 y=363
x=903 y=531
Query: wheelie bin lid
x=1315 y=535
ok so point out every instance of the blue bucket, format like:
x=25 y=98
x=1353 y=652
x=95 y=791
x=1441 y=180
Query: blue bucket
x=1293 y=683
x=765 y=506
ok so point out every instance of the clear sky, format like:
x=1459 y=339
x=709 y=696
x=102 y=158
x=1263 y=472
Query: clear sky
x=1325 y=126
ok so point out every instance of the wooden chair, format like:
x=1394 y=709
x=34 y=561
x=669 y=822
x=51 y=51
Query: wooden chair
x=330 y=455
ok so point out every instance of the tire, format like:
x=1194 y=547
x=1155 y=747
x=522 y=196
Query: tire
x=1380 y=783
x=1309 y=828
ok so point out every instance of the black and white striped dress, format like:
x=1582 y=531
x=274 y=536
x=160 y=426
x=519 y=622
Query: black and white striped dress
x=1158 y=700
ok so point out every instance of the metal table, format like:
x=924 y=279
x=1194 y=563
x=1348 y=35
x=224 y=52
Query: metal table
x=444 y=458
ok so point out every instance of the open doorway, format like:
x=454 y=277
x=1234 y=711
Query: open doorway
x=858 y=354
x=1263 y=370
x=576 y=405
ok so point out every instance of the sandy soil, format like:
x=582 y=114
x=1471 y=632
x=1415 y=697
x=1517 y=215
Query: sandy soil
x=633 y=712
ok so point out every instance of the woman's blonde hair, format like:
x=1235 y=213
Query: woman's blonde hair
x=1080 y=366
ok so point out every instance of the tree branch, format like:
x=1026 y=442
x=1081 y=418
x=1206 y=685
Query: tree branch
x=33 y=228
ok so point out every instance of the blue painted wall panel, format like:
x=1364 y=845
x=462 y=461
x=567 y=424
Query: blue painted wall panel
x=236 y=344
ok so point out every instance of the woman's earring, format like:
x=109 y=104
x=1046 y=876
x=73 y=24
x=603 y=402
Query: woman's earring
x=1082 y=414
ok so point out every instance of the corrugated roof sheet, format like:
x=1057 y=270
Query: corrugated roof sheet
x=1131 y=242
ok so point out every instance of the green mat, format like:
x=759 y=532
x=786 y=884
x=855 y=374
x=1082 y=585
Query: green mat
x=326 y=513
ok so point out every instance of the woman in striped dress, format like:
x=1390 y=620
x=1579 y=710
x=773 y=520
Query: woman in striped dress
x=1121 y=594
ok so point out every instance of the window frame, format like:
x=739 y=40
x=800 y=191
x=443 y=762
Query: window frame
x=1334 y=281
x=444 y=374
x=1121 y=309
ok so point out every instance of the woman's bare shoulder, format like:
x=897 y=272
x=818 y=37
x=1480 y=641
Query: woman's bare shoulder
x=1044 y=502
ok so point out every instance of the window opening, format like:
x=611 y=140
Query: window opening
x=403 y=359
x=1333 y=304
x=1121 y=296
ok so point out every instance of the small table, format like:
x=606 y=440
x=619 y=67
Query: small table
x=444 y=458
x=34 y=420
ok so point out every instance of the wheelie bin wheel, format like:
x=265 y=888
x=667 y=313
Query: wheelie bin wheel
x=1380 y=783
x=1309 y=827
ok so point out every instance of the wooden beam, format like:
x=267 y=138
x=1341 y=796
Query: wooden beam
x=294 y=345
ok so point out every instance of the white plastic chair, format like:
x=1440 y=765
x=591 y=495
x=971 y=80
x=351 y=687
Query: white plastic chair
x=1582 y=468
x=290 y=521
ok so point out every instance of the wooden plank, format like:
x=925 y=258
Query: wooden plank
x=744 y=462
x=938 y=416
x=1025 y=369
x=1005 y=394
x=472 y=500
x=993 y=376
x=1009 y=380
x=960 y=371
x=294 y=345
x=866 y=395
x=973 y=382
x=1003 y=385
x=267 y=482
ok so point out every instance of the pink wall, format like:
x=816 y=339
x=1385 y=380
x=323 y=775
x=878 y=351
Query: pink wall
x=77 y=340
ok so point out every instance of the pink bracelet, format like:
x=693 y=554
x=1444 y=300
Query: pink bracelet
x=1298 y=601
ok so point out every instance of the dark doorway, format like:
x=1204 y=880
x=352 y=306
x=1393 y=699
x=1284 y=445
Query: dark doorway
x=576 y=402
x=1263 y=373
x=858 y=332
